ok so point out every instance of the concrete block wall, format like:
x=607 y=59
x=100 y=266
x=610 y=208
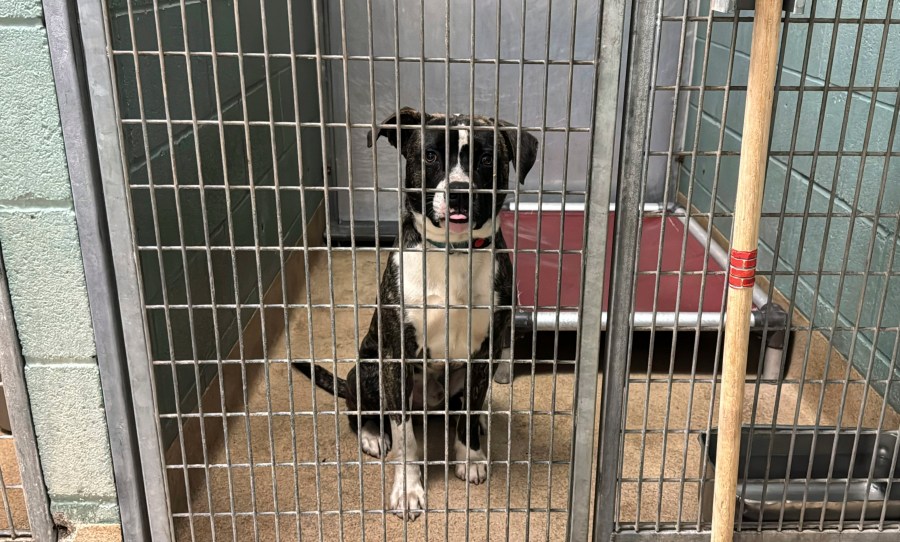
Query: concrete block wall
x=39 y=241
x=842 y=184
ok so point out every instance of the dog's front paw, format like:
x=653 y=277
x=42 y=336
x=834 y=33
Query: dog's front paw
x=408 y=502
x=474 y=473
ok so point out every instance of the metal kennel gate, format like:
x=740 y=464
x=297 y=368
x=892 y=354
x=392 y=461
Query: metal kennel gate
x=233 y=160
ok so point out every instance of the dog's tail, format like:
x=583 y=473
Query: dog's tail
x=324 y=378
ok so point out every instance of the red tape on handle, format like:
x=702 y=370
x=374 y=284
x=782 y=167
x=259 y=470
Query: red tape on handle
x=742 y=272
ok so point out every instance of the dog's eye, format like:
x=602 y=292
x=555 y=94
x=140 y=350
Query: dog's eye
x=487 y=160
x=431 y=157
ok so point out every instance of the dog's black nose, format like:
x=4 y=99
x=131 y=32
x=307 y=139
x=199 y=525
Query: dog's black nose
x=459 y=197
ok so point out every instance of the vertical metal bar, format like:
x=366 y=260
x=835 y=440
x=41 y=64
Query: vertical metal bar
x=425 y=357
x=74 y=109
x=657 y=13
x=493 y=363
x=884 y=295
x=627 y=221
x=600 y=177
x=279 y=226
x=328 y=253
x=353 y=256
x=821 y=262
x=775 y=259
x=220 y=375
x=400 y=440
x=796 y=265
x=151 y=190
x=745 y=237
x=248 y=155
x=4 y=493
x=537 y=257
x=759 y=377
x=854 y=211
x=95 y=36
x=704 y=271
x=298 y=137
x=559 y=261
x=446 y=268
x=515 y=274
x=378 y=249
x=12 y=371
x=469 y=256
x=184 y=262
x=710 y=225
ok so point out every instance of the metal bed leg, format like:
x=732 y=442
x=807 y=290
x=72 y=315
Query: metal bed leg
x=503 y=374
x=775 y=318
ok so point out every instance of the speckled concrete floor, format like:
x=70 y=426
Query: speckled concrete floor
x=527 y=494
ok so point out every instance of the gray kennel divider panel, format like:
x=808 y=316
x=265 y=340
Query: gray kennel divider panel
x=540 y=99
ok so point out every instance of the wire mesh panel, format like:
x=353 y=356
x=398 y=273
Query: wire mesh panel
x=313 y=386
x=13 y=514
x=820 y=438
x=24 y=506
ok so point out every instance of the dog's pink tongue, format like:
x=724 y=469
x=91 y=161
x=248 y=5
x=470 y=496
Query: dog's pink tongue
x=458 y=216
x=458 y=227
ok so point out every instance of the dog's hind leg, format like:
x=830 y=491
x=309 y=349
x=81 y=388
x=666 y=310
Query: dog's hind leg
x=373 y=430
x=503 y=373
x=470 y=451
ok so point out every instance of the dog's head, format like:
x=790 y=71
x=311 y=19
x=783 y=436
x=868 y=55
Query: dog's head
x=455 y=161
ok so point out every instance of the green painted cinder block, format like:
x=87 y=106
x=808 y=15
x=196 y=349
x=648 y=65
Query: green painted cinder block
x=20 y=9
x=46 y=283
x=71 y=435
x=32 y=157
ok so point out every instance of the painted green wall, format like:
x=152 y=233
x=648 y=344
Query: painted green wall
x=39 y=241
x=840 y=183
x=158 y=161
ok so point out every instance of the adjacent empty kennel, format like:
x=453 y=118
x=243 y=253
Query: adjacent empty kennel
x=249 y=223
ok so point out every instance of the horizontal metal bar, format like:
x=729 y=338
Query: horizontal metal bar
x=730 y=19
x=773 y=153
x=340 y=360
x=436 y=412
x=365 y=58
x=796 y=7
x=763 y=536
x=809 y=87
x=370 y=512
x=359 y=125
x=643 y=321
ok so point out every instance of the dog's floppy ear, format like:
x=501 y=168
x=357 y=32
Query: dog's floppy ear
x=522 y=156
x=388 y=128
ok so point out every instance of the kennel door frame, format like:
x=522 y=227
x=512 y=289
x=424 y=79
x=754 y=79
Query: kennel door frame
x=139 y=383
x=100 y=73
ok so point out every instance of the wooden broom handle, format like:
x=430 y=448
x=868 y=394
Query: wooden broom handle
x=742 y=269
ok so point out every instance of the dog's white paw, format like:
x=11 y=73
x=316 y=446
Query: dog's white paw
x=373 y=442
x=408 y=502
x=474 y=473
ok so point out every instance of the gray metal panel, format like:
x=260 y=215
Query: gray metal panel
x=85 y=179
x=627 y=236
x=12 y=371
x=99 y=70
x=602 y=173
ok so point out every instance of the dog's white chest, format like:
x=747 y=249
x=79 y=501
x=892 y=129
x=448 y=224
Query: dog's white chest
x=440 y=283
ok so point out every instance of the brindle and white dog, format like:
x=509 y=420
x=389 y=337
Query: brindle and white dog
x=450 y=218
